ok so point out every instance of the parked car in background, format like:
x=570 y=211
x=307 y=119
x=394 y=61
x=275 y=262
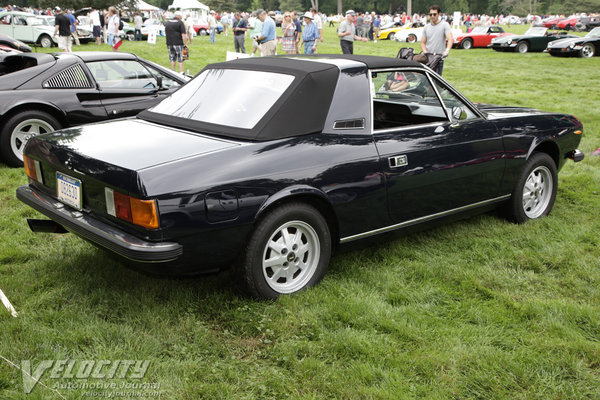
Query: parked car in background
x=587 y=46
x=151 y=25
x=202 y=28
x=587 y=24
x=43 y=92
x=206 y=180
x=568 y=23
x=27 y=27
x=480 y=36
x=414 y=35
x=536 y=39
x=9 y=42
x=84 y=32
x=390 y=32
x=551 y=22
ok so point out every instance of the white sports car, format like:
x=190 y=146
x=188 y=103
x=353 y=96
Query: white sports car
x=414 y=35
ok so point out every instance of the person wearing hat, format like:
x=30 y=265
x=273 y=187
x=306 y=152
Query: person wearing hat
x=310 y=34
x=212 y=25
x=347 y=33
x=176 y=36
x=266 y=40
x=63 y=28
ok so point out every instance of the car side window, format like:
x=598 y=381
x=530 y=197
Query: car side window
x=403 y=98
x=20 y=20
x=122 y=74
x=454 y=105
x=5 y=20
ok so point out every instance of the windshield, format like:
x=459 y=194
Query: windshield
x=537 y=31
x=228 y=97
x=594 y=32
x=478 y=30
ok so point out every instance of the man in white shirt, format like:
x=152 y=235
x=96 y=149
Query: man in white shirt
x=96 y=26
x=317 y=21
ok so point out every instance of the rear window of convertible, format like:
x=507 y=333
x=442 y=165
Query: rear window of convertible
x=228 y=97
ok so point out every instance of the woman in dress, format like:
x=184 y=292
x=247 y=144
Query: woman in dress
x=289 y=28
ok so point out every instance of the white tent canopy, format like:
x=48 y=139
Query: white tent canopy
x=143 y=6
x=188 y=5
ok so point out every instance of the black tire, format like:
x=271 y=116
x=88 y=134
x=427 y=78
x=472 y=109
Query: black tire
x=553 y=26
x=535 y=191
x=46 y=41
x=391 y=36
x=130 y=36
x=412 y=38
x=588 y=50
x=314 y=236
x=522 y=47
x=14 y=133
x=466 y=44
x=568 y=27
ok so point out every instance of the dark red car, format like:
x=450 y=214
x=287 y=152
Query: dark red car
x=552 y=23
x=569 y=23
x=480 y=36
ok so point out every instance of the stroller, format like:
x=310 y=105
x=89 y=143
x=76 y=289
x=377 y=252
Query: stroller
x=408 y=53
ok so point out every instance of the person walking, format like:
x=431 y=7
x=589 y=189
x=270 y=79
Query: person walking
x=138 y=21
x=266 y=40
x=298 y=32
x=288 y=40
x=189 y=28
x=240 y=26
x=212 y=25
x=74 y=24
x=318 y=22
x=96 y=25
x=176 y=37
x=310 y=34
x=437 y=37
x=347 y=33
x=113 y=27
x=62 y=27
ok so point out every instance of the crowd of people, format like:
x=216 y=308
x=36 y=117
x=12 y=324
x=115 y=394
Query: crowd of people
x=299 y=32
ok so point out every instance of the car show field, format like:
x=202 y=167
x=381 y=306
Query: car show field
x=480 y=308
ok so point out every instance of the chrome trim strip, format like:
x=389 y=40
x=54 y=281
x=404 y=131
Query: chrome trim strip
x=423 y=219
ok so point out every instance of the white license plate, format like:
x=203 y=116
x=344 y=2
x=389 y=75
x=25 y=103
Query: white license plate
x=68 y=190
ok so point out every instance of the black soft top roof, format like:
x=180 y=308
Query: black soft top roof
x=302 y=109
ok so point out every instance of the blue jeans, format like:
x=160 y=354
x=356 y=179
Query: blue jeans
x=213 y=32
x=308 y=47
x=111 y=39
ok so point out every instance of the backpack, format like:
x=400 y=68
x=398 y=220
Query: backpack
x=406 y=53
x=121 y=25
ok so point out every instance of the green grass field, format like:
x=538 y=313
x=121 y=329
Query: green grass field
x=479 y=309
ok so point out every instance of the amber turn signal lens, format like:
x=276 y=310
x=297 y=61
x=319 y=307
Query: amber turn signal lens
x=144 y=213
x=29 y=167
x=32 y=168
x=578 y=132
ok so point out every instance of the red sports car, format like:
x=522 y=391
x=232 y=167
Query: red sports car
x=569 y=23
x=480 y=36
x=552 y=23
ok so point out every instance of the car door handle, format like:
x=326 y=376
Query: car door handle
x=397 y=161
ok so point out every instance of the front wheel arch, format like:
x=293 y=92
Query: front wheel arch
x=548 y=147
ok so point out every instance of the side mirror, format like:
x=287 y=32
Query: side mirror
x=159 y=82
x=458 y=113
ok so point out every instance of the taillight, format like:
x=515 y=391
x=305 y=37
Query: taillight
x=127 y=208
x=33 y=169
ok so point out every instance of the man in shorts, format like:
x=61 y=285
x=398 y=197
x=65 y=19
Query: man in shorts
x=176 y=37
x=63 y=28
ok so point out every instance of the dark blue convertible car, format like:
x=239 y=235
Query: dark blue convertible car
x=268 y=164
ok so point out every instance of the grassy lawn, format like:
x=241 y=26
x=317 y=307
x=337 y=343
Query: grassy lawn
x=478 y=309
